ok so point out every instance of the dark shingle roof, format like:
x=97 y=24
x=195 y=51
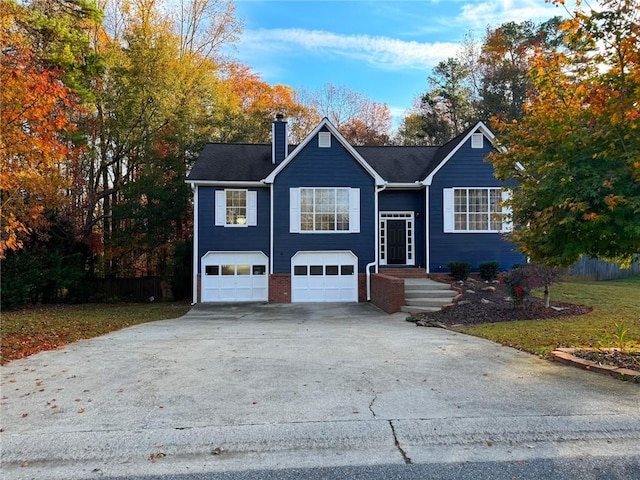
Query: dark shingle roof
x=226 y=162
x=232 y=162
x=398 y=164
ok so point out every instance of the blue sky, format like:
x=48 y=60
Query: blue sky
x=384 y=49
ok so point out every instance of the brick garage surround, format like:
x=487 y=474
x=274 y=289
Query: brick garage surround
x=387 y=293
x=280 y=288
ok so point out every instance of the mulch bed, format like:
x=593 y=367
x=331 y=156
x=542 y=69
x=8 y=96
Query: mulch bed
x=493 y=304
x=615 y=358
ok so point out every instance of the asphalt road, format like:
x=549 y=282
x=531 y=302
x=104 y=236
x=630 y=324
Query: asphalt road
x=309 y=391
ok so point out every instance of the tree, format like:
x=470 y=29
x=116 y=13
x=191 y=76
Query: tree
x=37 y=117
x=445 y=109
x=504 y=63
x=574 y=154
x=361 y=120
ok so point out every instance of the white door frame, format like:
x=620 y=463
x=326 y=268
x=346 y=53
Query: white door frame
x=410 y=226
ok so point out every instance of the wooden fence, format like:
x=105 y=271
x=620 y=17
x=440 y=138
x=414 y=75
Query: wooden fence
x=141 y=289
x=600 y=270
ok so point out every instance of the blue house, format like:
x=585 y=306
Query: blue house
x=309 y=223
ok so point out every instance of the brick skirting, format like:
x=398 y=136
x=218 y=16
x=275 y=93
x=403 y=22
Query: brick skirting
x=387 y=293
x=280 y=288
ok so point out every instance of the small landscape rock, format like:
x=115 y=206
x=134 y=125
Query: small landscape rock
x=489 y=289
x=411 y=318
x=430 y=323
x=463 y=302
x=469 y=291
x=484 y=300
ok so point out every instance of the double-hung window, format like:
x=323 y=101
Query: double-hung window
x=475 y=210
x=236 y=208
x=325 y=210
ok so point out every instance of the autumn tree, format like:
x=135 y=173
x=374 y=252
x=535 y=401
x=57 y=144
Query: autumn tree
x=361 y=120
x=37 y=119
x=574 y=153
x=504 y=61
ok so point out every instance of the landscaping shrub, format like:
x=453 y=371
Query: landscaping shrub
x=489 y=271
x=459 y=270
x=522 y=279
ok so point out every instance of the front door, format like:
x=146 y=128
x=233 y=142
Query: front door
x=396 y=242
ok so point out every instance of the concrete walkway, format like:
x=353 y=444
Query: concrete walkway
x=229 y=388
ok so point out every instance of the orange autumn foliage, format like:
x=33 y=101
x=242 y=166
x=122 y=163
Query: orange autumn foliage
x=35 y=116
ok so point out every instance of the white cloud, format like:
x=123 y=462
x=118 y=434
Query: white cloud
x=383 y=52
x=496 y=12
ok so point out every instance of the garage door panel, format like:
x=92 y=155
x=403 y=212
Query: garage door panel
x=324 y=277
x=235 y=277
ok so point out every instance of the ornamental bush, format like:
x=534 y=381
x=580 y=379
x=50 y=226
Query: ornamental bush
x=459 y=270
x=489 y=271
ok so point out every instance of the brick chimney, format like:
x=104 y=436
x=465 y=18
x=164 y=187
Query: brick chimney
x=279 y=140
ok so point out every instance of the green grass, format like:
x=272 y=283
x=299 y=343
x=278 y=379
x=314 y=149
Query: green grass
x=46 y=327
x=614 y=302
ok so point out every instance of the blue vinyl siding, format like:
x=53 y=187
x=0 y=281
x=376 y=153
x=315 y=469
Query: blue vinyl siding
x=323 y=167
x=466 y=169
x=408 y=201
x=232 y=239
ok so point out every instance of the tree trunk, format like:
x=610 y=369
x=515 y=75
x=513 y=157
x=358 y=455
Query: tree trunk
x=547 y=296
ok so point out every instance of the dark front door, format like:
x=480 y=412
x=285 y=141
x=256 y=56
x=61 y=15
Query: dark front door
x=396 y=242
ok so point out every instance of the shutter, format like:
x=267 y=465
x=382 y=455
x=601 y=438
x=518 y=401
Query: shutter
x=448 y=218
x=507 y=223
x=294 y=210
x=221 y=208
x=252 y=208
x=354 y=210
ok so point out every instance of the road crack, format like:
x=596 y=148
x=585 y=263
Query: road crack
x=405 y=457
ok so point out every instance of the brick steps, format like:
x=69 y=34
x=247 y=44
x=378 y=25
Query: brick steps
x=404 y=272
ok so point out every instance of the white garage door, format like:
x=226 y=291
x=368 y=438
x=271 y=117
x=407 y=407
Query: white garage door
x=235 y=277
x=324 y=277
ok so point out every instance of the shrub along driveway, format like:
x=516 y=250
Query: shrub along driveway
x=275 y=386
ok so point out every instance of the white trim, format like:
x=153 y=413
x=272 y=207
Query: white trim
x=417 y=185
x=325 y=123
x=410 y=233
x=479 y=126
x=195 y=292
x=233 y=184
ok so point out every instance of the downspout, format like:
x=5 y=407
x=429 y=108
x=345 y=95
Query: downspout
x=271 y=229
x=376 y=242
x=427 y=216
x=194 y=189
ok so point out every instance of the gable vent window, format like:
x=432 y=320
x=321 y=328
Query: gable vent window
x=477 y=140
x=324 y=140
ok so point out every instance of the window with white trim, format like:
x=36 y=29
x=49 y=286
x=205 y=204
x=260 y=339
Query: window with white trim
x=475 y=210
x=236 y=208
x=325 y=210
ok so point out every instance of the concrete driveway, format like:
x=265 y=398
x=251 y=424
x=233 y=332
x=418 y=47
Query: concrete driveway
x=229 y=388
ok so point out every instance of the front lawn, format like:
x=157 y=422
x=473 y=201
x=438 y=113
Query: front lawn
x=46 y=327
x=614 y=302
